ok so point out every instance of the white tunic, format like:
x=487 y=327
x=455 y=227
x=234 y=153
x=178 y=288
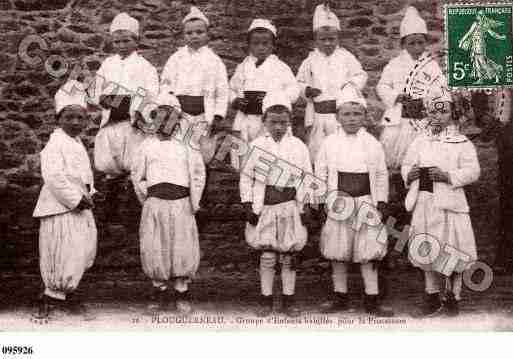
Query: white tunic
x=66 y=170
x=329 y=74
x=198 y=73
x=279 y=226
x=443 y=214
x=346 y=236
x=271 y=76
x=169 y=161
x=398 y=133
x=117 y=76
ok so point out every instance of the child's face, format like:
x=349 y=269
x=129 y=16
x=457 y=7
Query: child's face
x=277 y=124
x=351 y=116
x=415 y=44
x=73 y=120
x=124 y=43
x=261 y=44
x=326 y=39
x=195 y=34
x=440 y=115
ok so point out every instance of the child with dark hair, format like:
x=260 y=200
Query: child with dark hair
x=274 y=201
x=260 y=72
x=67 y=233
x=437 y=166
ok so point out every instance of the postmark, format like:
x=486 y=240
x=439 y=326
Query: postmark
x=479 y=45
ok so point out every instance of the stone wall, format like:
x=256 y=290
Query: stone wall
x=77 y=31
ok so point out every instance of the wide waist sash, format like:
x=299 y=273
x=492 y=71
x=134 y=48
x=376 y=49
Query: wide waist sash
x=168 y=191
x=325 y=107
x=192 y=105
x=354 y=184
x=254 y=99
x=277 y=195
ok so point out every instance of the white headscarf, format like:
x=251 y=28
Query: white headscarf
x=263 y=24
x=324 y=17
x=276 y=98
x=412 y=23
x=195 y=13
x=125 y=22
x=350 y=93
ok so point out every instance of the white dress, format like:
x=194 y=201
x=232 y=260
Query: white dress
x=67 y=237
x=347 y=237
x=279 y=226
x=329 y=74
x=398 y=132
x=444 y=214
x=168 y=232
x=116 y=143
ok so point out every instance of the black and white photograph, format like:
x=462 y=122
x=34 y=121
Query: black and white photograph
x=255 y=165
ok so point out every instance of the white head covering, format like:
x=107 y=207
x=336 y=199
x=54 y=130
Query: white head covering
x=124 y=21
x=263 y=24
x=195 y=13
x=350 y=93
x=412 y=23
x=71 y=93
x=276 y=98
x=166 y=99
x=323 y=16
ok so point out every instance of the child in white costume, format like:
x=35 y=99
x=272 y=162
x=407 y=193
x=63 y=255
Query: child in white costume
x=67 y=234
x=198 y=78
x=398 y=131
x=437 y=166
x=123 y=84
x=274 y=204
x=260 y=72
x=326 y=70
x=169 y=177
x=352 y=163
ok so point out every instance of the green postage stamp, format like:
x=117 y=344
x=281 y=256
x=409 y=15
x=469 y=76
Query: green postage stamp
x=479 y=45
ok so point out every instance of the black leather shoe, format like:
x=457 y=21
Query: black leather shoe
x=266 y=306
x=338 y=303
x=451 y=305
x=289 y=306
x=372 y=307
x=432 y=306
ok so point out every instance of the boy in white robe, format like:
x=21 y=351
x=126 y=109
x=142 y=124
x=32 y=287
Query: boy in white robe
x=123 y=85
x=169 y=177
x=437 y=166
x=321 y=76
x=67 y=233
x=274 y=202
x=260 y=72
x=352 y=163
x=198 y=78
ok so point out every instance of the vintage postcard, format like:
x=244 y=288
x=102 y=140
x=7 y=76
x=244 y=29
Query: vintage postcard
x=250 y=165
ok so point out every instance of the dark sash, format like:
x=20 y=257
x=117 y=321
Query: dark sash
x=254 y=99
x=192 y=105
x=119 y=108
x=277 y=195
x=425 y=183
x=354 y=184
x=168 y=191
x=325 y=107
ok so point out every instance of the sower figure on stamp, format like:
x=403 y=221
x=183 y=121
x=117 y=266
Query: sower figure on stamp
x=401 y=88
x=169 y=178
x=273 y=201
x=67 y=233
x=322 y=74
x=260 y=72
x=437 y=166
x=198 y=78
x=123 y=83
x=357 y=194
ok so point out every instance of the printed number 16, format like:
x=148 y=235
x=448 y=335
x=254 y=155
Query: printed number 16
x=459 y=71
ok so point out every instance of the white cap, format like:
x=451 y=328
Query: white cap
x=350 y=93
x=276 y=98
x=195 y=13
x=263 y=24
x=412 y=23
x=166 y=99
x=324 y=17
x=71 y=93
x=125 y=22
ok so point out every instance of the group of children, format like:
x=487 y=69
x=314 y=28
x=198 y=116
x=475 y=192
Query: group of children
x=148 y=139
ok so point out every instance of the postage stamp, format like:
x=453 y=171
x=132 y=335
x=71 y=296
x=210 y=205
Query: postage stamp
x=479 y=45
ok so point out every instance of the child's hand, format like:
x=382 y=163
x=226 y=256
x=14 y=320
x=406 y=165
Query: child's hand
x=413 y=175
x=240 y=104
x=312 y=92
x=437 y=175
x=85 y=203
